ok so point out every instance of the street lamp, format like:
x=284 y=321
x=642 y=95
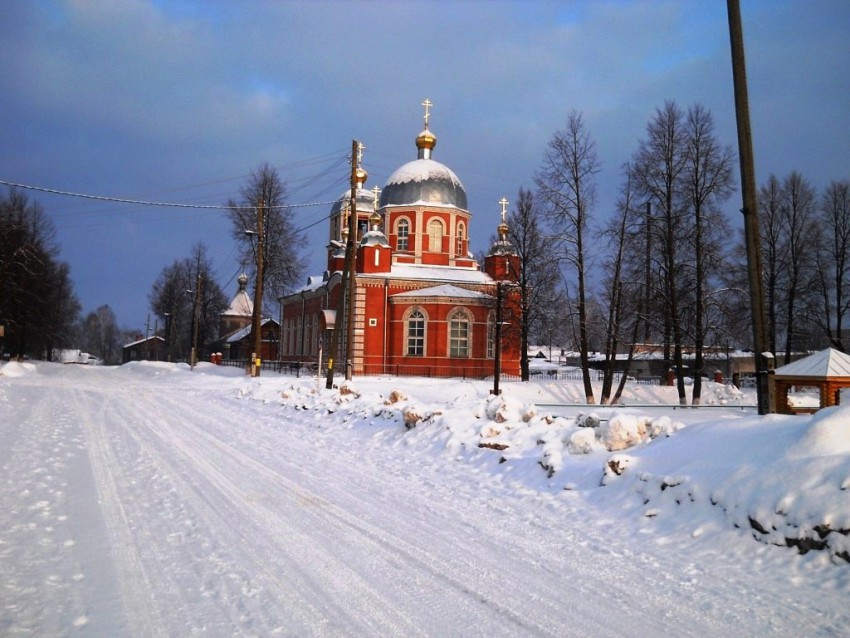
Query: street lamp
x=256 y=319
x=197 y=292
x=167 y=316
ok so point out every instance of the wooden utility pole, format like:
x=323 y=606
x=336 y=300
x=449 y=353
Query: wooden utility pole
x=351 y=264
x=763 y=358
x=348 y=270
x=193 y=358
x=497 y=358
x=257 y=315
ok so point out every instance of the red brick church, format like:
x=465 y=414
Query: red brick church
x=423 y=306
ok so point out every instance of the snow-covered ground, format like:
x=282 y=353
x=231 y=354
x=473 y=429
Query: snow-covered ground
x=150 y=500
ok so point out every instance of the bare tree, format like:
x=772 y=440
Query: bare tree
x=834 y=259
x=773 y=251
x=100 y=335
x=617 y=288
x=172 y=299
x=566 y=184
x=709 y=181
x=38 y=308
x=283 y=263
x=538 y=276
x=797 y=210
x=659 y=165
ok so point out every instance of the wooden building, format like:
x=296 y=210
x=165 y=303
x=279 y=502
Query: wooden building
x=827 y=370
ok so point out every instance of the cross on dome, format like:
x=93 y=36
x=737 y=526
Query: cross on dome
x=360 y=147
x=377 y=193
x=427 y=104
x=504 y=202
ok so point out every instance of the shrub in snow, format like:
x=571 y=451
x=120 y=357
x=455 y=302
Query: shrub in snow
x=587 y=420
x=622 y=431
x=347 y=388
x=529 y=412
x=411 y=416
x=581 y=441
x=490 y=430
x=552 y=461
x=662 y=426
x=395 y=397
x=614 y=467
x=502 y=409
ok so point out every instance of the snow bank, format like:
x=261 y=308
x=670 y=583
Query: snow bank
x=13 y=369
x=786 y=480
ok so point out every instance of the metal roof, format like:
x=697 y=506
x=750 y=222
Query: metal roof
x=823 y=364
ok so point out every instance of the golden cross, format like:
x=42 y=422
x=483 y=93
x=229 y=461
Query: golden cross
x=504 y=202
x=377 y=193
x=360 y=147
x=427 y=104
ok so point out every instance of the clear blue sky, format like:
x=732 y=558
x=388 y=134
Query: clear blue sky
x=179 y=101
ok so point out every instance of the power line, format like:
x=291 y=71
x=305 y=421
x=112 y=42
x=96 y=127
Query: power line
x=104 y=198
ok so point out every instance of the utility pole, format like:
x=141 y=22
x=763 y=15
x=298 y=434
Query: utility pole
x=348 y=268
x=257 y=315
x=497 y=358
x=357 y=149
x=763 y=358
x=193 y=359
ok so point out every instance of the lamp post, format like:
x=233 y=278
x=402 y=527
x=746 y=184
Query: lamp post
x=257 y=315
x=497 y=355
x=167 y=316
x=197 y=292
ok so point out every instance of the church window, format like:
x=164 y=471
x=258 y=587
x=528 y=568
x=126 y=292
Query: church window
x=403 y=232
x=416 y=334
x=435 y=236
x=460 y=231
x=459 y=334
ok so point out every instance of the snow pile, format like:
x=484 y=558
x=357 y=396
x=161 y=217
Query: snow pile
x=14 y=369
x=785 y=479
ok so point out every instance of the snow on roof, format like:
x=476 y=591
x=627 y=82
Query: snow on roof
x=241 y=306
x=440 y=273
x=451 y=274
x=444 y=290
x=240 y=334
x=142 y=340
x=826 y=363
x=420 y=170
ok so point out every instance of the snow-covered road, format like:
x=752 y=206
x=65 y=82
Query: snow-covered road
x=170 y=505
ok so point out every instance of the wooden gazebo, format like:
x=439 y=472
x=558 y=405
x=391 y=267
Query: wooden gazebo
x=827 y=370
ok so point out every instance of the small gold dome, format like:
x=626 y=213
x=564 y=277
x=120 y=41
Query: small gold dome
x=375 y=218
x=360 y=175
x=426 y=139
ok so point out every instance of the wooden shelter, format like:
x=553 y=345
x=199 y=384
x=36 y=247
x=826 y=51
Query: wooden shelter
x=827 y=370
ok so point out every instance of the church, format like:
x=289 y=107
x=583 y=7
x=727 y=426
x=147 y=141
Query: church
x=422 y=304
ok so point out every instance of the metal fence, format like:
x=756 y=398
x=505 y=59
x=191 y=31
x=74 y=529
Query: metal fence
x=303 y=369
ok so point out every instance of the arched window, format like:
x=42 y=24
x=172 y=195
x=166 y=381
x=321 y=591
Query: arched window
x=460 y=232
x=415 y=333
x=435 y=236
x=459 y=333
x=403 y=232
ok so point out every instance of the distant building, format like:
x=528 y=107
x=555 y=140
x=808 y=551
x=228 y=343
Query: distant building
x=150 y=349
x=422 y=305
x=235 y=342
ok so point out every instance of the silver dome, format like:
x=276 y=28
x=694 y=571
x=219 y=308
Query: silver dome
x=424 y=182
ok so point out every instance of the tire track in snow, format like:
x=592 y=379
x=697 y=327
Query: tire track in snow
x=480 y=589
x=211 y=493
x=136 y=583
